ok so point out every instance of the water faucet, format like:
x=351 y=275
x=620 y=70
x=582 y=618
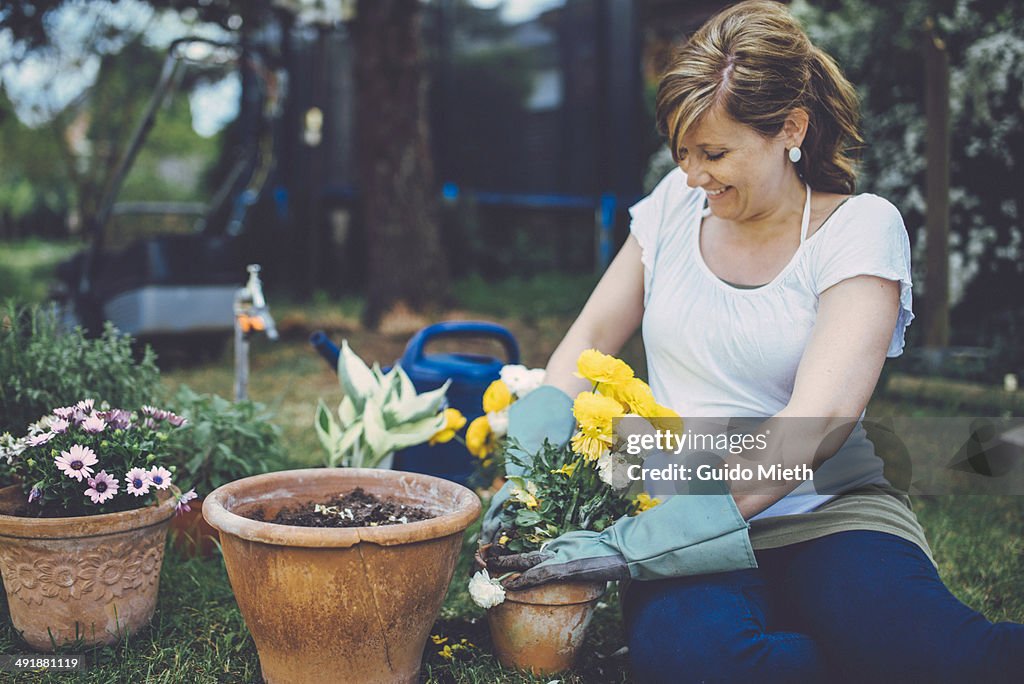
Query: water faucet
x=251 y=316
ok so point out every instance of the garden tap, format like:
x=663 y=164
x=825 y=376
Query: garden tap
x=251 y=311
x=251 y=315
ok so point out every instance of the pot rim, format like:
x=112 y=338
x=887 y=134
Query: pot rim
x=558 y=593
x=20 y=527
x=465 y=507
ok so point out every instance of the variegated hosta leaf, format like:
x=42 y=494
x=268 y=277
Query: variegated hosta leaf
x=347 y=412
x=418 y=406
x=349 y=440
x=357 y=380
x=327 y=428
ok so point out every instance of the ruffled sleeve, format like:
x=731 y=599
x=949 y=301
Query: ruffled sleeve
x=646 y=219
x=871 y=240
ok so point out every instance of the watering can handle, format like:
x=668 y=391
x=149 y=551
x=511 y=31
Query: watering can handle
x=483 y=329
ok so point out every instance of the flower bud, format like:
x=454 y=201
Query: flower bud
x=162 y=436
x=104 y=444
x=173 y=468
x=31 y=462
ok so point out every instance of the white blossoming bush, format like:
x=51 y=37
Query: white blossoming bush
x=80 y=460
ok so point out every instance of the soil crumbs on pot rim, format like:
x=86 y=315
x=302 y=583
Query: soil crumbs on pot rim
x=352 y=509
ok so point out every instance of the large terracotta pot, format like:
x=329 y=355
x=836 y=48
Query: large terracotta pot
x=541 y=629
x=91 y=577
x=343 y=604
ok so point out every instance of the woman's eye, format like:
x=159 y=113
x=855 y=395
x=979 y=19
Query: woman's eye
x=715 y=157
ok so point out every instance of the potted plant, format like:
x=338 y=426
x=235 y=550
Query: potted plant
x=340 y=572
x=563 y=488
x=82 y=537
x=221 y=441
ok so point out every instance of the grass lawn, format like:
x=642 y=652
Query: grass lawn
x=198 y=635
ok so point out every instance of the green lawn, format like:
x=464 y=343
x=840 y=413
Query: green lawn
x=198 y=634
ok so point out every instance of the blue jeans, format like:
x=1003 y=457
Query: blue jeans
x=855 y=606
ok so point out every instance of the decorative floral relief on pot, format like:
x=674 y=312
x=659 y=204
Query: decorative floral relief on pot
x=103 y=574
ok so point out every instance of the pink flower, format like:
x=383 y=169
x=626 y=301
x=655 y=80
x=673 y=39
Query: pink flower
x=40 y=439
x=119 y=419
x=34 y=494
x=85 y=406
x=64 y=412
x=149 y=410
x=101 y=488
x=75 y=462
x=59 y=425
x=182 y=505
x=176 y=420
x=94 y=424
x=138 y=482
x=159 y=477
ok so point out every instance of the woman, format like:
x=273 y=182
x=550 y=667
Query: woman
x=782 y=298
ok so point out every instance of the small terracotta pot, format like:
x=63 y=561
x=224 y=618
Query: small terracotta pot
x=91 y=577
x=541 y=629
x=193 y=536
x=341 y=604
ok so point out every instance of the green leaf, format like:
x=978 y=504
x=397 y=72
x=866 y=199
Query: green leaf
x=326 y=428
x=528 y=518
x=357 y=380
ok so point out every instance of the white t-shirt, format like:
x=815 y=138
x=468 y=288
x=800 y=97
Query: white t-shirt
x=715 y=350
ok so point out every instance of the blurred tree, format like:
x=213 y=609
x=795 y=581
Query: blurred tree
x=878 y=45
x=407 y=268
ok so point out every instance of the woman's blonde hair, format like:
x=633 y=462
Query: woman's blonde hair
x=754 y=60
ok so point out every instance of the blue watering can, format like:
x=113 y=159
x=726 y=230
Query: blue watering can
x=470 y=375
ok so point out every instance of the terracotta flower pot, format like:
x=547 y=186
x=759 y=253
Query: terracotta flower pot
x=341 y=604
x=91 y=577
x=541 y=629
x=192 y=535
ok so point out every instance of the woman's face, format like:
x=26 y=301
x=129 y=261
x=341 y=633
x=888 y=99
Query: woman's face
x=743 y=174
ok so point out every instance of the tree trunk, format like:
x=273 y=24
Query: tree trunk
x=406 y=267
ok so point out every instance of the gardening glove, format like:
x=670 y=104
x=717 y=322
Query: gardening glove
x=689 y=534
x=543 y=414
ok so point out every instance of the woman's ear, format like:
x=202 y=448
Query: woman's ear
x=794 y=128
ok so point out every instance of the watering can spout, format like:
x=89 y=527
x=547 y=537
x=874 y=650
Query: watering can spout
x=327 y=349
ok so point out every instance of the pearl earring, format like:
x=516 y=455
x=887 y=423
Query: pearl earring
x=795 y=154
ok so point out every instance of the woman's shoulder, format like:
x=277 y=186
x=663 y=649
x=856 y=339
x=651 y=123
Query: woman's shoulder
x=865 y=215
x=869 y=206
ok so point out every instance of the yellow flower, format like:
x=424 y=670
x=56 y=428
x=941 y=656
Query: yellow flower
x=502 y=540
x=595 y=412
x=665 y=419
x=644 y=502
x=568 y=469
x=497 y=397
x=453 y=422
x=591 y=445
x=603 y=369
x=438 y=639
x=479 y=438
x=634 y=395
x=447 y=653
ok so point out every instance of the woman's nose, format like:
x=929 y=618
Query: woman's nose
x=695 y=176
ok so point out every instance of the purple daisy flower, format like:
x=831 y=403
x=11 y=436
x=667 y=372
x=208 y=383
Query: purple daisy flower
x=138 y=482
x=119 y=419
x=149 y=410
x=101 y=488
x=34 y=494
x=182 y=505
x=64 y=412
x=40 y=439
x=76 y=461
x=176 y=420
x=94 y=424
x=85 y=406
x=59 y=425
x=160 y=477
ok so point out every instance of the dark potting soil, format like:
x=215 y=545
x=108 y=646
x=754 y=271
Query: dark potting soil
x=352 y=509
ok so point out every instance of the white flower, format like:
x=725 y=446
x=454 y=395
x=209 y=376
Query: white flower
x=514 y=376
x=498 y=421
x=485 y=591
x=611 y=468
x=534 y=379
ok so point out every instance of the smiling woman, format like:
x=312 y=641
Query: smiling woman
x=767 y=290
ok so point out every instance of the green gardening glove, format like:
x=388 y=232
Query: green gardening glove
x=543 y=414
x=690 y=534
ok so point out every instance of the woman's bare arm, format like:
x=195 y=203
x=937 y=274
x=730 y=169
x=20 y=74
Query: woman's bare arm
x=611 y=315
